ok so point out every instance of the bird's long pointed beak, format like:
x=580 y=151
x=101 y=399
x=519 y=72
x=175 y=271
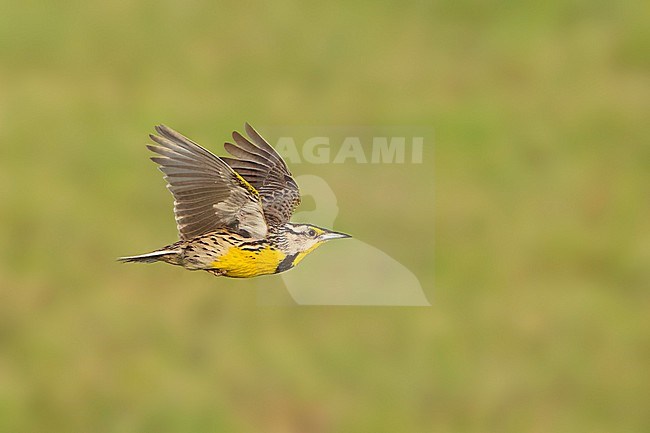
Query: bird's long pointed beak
x=333 y=235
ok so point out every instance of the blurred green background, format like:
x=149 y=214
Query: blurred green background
x=528 y=225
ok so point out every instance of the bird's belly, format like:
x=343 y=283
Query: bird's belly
x=245 y=263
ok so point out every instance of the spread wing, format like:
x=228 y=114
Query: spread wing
x=257 y=162
x=208 y=194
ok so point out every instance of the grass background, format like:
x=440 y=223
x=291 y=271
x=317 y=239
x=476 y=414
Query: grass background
x=538 y=198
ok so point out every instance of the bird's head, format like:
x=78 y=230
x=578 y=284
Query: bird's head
x=302 y=239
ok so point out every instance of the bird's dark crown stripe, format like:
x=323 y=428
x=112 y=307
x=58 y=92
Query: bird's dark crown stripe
x=287 y=263
x=289 y=228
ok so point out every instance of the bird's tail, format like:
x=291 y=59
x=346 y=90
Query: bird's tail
x=164 y=255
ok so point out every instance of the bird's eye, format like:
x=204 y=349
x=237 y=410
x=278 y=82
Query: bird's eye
x=311 y=233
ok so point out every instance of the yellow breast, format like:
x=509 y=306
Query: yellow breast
x=239 y=263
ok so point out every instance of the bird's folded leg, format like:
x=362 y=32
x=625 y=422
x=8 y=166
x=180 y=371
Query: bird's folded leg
x=216 y=272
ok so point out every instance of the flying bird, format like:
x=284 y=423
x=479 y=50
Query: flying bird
x=232 y=213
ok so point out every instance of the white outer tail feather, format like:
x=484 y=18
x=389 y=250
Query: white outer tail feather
x=148 y=257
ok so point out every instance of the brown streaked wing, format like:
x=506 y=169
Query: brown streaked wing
x=257 y=162
x=208 y=194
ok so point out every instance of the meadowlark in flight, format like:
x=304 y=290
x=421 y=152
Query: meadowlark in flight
x=232 y=214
